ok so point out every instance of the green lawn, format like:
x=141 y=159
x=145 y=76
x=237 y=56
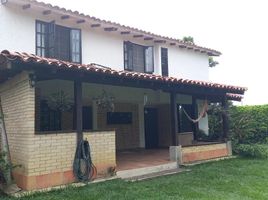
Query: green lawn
x=230 y=179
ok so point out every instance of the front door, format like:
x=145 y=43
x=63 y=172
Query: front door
x=151 y=128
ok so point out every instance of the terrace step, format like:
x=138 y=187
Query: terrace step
x=138 y=172
x=156 y=174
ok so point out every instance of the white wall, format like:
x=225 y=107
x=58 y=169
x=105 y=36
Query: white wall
x=17 y=30
x=17 y=33
x=187 y=64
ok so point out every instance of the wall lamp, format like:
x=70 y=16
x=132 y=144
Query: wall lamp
x=32 y=80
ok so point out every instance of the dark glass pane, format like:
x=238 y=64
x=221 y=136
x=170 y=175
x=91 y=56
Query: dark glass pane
x=164 y=61
x=138 y=58
x=75 y=37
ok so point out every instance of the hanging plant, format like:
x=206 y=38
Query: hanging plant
x=105 y=101
x=60 y=101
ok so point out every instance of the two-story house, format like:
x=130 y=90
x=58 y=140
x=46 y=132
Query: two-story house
x=66 y=75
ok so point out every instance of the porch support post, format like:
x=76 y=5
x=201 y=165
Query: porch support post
x=225 y=118
x=173 y=118
x=194 y=116
x=78 y=107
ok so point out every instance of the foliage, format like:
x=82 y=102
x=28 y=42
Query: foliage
x=105 y=102
x=4 y=167
x=249 y=124
x=215 y=119
x=210 y=137
x=252 y=150
x=60 y=101
x=212 y=62
x=189 y=39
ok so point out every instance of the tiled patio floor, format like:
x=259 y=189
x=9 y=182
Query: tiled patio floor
x=137 y=158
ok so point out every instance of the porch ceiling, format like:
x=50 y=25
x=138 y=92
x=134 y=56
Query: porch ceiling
x=47 y=68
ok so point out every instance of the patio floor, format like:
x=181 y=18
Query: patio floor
x=138 y=158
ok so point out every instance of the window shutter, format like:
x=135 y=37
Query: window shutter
x=128 y=56
x=75 y=43
x=164 y=61
x=51 y=39
x=149 y=59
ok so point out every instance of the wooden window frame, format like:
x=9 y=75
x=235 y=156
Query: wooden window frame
x=47 y=43
x=167 y=70
x=128 y=44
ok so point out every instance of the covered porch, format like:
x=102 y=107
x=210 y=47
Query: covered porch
x=144 y=128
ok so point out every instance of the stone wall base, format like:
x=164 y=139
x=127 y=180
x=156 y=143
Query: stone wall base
x=195 y=153
x=55 y=178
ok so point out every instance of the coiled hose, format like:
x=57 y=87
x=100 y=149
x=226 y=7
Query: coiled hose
x=83 y=167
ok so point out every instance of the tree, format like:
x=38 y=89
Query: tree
x=189 y=39
x=212 y=62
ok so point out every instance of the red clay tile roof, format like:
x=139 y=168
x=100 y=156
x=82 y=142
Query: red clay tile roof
x=235 y=97
x=26 y=58
x=178 y=42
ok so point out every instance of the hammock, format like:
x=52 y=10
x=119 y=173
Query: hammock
x=201 y=114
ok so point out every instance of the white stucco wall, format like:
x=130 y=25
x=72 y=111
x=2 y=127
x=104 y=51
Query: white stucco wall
x=187 y=64
x=17 y=30
x=17 y=33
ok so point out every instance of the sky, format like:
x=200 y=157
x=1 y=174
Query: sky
x=236 y=28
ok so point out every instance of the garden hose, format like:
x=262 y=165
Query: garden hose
x=83 y=167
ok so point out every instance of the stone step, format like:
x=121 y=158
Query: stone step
x=156 y=174
x=125 y=174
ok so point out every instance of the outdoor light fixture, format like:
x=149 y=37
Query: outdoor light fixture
x=145 y=99
x=32 y=80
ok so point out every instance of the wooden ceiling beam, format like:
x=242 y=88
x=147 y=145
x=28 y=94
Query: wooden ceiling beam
x=80 y=21
x=26 y=6
x=160 y=41
x=63 y=17
x=95 y=25
x=138 y=36
x=110 y=29
x=125 y=32
x=47 y=12
x=148 y=38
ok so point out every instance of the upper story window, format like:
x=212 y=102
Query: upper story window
x=59 y=42
x=164 y=61
x=138 y=58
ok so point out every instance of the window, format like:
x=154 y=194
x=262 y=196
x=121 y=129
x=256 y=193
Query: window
x=59 y=42
x=50 y=120
x=41 y=39
x=164 y=61
x=138 y=58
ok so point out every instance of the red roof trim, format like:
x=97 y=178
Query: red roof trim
x=26 y=58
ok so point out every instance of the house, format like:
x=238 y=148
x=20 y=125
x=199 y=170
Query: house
x=65 y=75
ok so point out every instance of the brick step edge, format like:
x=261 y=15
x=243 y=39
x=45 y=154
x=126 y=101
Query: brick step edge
x=206 y=161
x=156 y=174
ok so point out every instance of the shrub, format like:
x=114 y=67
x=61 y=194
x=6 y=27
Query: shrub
x=252 y=150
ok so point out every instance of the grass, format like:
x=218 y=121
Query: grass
x=229 y=179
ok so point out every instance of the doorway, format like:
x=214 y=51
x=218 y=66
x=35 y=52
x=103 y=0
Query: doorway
x=151 y=128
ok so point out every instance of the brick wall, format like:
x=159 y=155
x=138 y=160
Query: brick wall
x=203 y=152
x=127 y=135
x=46 y=159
